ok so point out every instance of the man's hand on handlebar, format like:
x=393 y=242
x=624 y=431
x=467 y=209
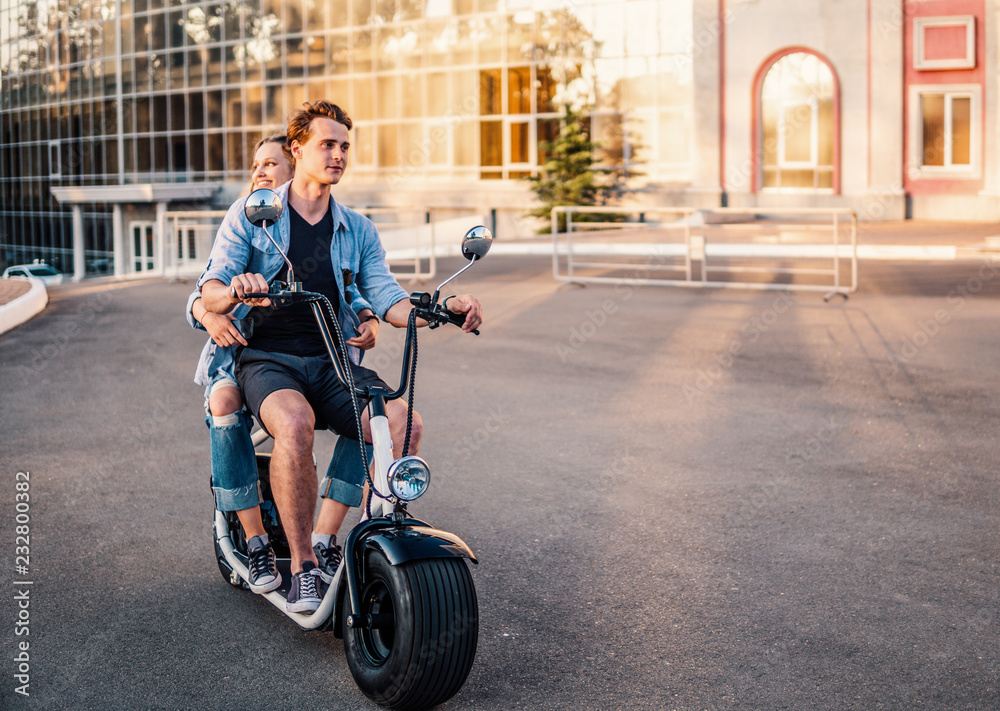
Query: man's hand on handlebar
x=367 y=333
x=470 y=306
x=249 y=284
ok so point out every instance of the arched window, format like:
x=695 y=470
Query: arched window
x=797 y=143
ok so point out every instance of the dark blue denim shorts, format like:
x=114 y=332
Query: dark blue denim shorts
x=261 y=373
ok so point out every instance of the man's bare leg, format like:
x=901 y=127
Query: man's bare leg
x=331 y=512
x=289 y=418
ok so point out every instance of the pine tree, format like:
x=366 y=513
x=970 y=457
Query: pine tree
x=568 y=176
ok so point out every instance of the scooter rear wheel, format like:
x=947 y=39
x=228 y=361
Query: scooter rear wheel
x=425 y=627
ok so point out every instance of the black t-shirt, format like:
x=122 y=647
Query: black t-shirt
x=292 y=329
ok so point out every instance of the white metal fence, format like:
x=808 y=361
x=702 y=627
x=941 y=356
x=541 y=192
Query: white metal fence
x=749 y=248
x=410 y=237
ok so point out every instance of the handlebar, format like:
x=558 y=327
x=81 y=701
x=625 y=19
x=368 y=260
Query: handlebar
x=425 y=306
x=434 y=313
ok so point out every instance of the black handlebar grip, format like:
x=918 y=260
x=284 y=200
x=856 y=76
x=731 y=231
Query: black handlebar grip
x=459 y=320
x=250 y=295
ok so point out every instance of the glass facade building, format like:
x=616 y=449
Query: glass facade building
x=446 y=96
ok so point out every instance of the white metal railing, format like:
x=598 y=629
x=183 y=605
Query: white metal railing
x=423 y=237
x=705 y=253
x=188 y=239
x=188 y=235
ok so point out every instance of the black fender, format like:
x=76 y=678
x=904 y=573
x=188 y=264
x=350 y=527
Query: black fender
x=400 y=545
x=399 y=541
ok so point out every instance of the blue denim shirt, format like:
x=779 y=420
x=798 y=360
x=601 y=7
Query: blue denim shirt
x=240 y=247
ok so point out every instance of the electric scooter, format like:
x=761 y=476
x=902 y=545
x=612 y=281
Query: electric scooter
x=402 y=599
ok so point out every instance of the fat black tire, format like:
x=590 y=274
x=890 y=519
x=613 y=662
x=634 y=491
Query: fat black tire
x=422 y=650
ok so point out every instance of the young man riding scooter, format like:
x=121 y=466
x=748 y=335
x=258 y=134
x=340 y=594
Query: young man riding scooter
x=284 y=371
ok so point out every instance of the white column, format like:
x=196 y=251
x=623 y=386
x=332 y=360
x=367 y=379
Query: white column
x=884 y=196
x=79 y=264
x=706 y=181
x=118 y=241
x=165 y=258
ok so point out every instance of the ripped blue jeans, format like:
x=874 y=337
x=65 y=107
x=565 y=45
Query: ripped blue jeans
x=234 y=466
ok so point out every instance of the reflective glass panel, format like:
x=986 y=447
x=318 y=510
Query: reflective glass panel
x=362 y=107
x=388 y=146
x=466 y=136
x=519 y=90
x=216 y=153
x=520 y=149
x=388 y=102
x=932 y=110
x=340 y=53
x=961 y=130
x=437 y=94
x=491 y=143
x=797 y=123
x=414 y=149
x=413 y=95
x=490 y=92
x=362 y=54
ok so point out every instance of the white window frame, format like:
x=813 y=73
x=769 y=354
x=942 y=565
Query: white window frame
x=965 y=172
x=920 y=61
x=55 y=159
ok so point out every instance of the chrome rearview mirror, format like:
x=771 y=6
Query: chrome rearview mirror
x=477 y=242
x=263 y=206
x=475 y=245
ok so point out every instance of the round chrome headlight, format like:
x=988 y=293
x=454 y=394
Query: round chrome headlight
x=409 y=478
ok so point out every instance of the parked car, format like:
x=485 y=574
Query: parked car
x=46 y=272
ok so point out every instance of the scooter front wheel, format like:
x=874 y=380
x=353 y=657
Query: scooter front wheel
x=418 y=649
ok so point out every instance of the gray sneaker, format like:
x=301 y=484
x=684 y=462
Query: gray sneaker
x=303 y=596
x=329 y=558
x=264 y=575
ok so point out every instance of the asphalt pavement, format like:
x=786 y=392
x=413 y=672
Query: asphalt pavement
x=680 y=499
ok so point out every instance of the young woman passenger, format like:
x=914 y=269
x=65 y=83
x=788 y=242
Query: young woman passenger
x=234 y=468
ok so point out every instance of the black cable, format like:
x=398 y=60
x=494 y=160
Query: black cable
x=345 y=360
x=413 y=382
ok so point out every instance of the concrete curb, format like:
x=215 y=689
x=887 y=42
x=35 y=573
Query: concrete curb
x=24 y=307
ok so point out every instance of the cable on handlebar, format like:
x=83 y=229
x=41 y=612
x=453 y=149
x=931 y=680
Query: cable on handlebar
x=411 y=328
x=345 y=360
